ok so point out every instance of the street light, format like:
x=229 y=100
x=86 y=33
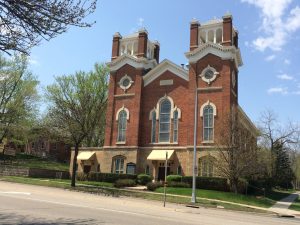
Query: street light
x=193 y=200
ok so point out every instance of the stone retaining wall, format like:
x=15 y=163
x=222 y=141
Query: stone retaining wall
x=32 y=172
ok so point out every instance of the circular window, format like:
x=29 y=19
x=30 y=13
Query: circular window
x=125 y=82
x=209 y=74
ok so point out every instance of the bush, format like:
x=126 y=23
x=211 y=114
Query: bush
x=109 y=177
x=178 y=184
x=209 y=183
x=124 y=183
x=81 y=176
x=153 y=186
x=143 y=179
x=174 y=178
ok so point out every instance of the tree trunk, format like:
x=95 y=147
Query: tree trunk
x=74 y=165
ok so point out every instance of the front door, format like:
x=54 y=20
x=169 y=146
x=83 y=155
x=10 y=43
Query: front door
x=161 y=173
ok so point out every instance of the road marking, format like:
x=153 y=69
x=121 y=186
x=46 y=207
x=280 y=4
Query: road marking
x=15 y=193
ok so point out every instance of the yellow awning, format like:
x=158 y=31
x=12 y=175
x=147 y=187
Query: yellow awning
x=160 y=154
x=85 y=155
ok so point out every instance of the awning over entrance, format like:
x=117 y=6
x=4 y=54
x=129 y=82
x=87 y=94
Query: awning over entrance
x=160 y=154
x=85 y=155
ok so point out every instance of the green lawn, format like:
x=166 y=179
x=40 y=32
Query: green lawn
x=296 y=205
x=24 y=160
x=61 y=183
x=267 y=202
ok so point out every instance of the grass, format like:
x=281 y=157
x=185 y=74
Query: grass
x=296 y=205
x=24 y=160
x=266 y=202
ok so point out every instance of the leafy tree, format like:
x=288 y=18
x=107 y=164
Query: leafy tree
x=77 y=104
x=18 y=98
x=24 y=23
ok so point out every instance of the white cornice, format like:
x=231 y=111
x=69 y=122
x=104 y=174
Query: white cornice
x=224 y=52
x=132 y=61
x=163 y=67
x=247 y=122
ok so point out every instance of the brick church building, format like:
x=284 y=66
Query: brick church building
x=151 y=103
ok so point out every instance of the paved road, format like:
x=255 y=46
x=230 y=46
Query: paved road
x=26 y=204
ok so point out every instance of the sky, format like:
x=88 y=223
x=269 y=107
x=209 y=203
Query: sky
x=269 y=40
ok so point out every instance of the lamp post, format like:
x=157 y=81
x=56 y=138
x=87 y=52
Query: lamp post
x=165 y=184
x=193 y=200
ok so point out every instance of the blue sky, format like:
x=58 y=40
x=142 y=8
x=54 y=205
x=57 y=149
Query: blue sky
x=269 y=39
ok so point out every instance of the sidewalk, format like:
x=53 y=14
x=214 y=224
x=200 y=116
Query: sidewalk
x=282 y=206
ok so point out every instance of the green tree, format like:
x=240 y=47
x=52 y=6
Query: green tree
x=77 y=106
x=24 y=23
x=283 y=174
x=18 y=98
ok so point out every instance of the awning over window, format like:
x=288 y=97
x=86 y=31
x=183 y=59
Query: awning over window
x=160 y=154
x=85 y=155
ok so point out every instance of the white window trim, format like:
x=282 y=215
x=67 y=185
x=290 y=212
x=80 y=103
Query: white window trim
x=121 y=109
x=121 y=82
x=208 y=103
x=202 y=75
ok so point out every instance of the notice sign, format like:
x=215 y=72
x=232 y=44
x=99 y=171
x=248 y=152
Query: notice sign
x=1 y=148
x=9 y=151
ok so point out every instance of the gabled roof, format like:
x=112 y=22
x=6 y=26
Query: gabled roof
x=224 y=52
x=132 y=61
x=163 y=67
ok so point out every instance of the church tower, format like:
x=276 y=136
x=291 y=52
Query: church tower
x=214 y=59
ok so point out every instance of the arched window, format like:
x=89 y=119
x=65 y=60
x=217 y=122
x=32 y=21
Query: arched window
x=118 y=164
x=208 y=123
x=175 y=126
x=122 y=122
x=206 y=166
x=153 y=131
x=164 y=121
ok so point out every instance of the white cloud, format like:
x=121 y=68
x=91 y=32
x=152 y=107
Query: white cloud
x=246 y=43
x=270 y=58
x=277 y=90
x=285 y=77
x=287 y=62
x=33 y=61
x=296 y=93
x=277 y=25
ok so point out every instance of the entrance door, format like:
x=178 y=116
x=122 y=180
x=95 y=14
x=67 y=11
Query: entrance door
x=86 y=169
x=161 y=173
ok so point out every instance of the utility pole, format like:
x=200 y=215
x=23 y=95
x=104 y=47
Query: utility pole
x=193 y=200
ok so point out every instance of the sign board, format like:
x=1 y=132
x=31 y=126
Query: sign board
x=1 y=148
x=10 y=151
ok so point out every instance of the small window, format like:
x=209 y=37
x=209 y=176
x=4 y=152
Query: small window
x=119 y=165
x=179 y=170
x=130 y=169
x=206 y=166
x=147 y=170
x=175 y=129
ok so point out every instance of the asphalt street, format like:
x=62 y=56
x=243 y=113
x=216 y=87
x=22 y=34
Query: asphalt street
x=28 y=204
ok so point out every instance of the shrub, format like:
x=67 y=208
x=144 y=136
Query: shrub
x=178 y=184
x=124 y=183
x=109 y=177
x=143 y=179
x=81 y=176
x=174 y=178
x=153 y=186
x=209 y=183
